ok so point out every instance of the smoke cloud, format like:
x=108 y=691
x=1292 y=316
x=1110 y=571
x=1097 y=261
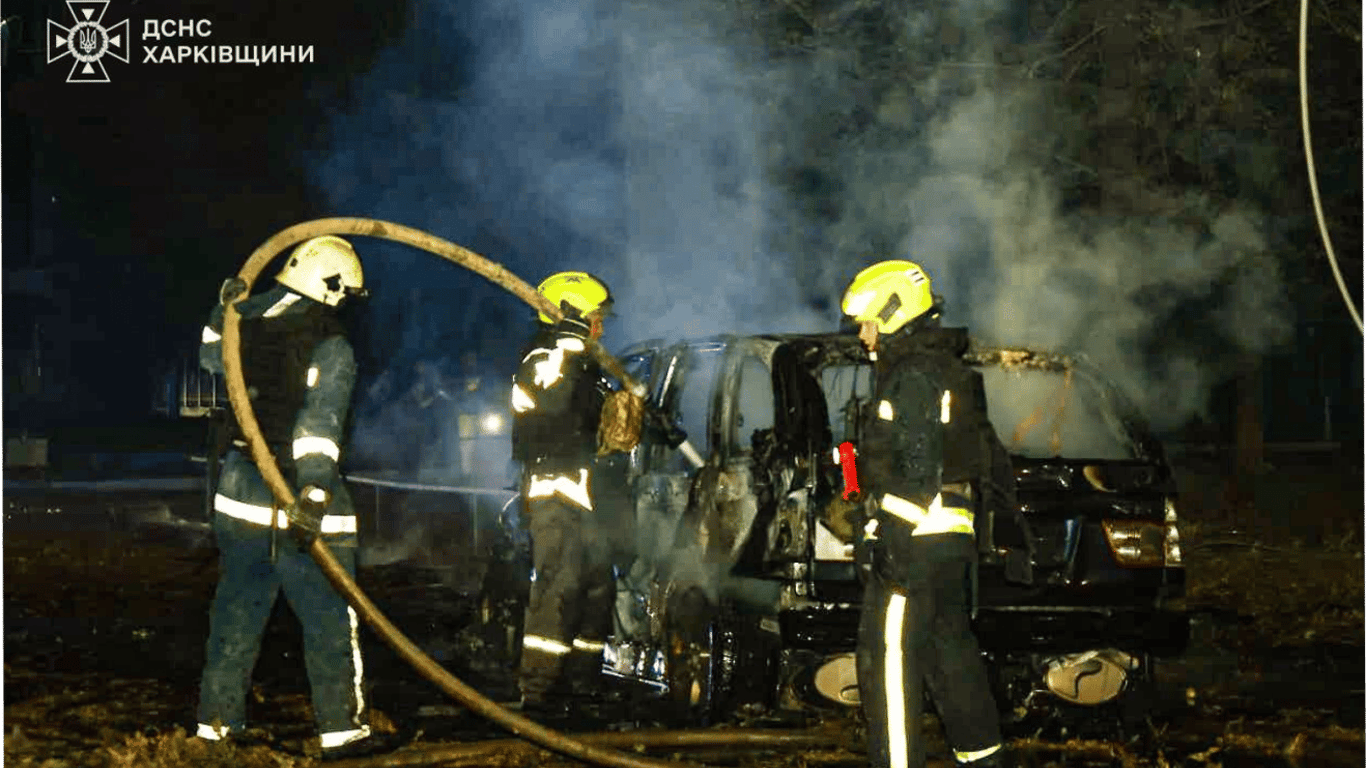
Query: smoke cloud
x=725 y=168
x=1020 y=270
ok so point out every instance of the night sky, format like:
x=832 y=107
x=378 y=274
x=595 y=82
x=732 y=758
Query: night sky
x=140 y=195
x=717 y=180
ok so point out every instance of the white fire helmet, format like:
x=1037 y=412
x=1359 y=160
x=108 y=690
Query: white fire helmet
x=325 y=269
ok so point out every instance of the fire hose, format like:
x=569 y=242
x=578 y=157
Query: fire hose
x=505 y=751
x=284 y=496
x=1309 y=164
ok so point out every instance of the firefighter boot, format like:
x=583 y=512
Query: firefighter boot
x=998 y=759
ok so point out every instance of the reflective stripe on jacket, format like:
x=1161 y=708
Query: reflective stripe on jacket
x=259 y=515
x=936 y=518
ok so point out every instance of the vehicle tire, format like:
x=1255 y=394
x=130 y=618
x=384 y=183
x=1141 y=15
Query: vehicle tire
x=719 y=661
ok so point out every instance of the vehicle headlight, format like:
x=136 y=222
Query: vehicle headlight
x=1136 y=543
x=491 y=424
x=1172 y=543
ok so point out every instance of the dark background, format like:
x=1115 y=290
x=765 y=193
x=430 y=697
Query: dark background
x=126 y=203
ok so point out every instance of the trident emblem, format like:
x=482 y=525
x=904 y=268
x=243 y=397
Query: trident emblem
x=87 y=41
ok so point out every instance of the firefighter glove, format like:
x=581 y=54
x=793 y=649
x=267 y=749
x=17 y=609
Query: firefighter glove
x=306 y=516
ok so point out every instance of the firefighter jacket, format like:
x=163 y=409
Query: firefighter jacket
x=973 y=453
x=557 y=398
x=300 y=371
x=924 y=364
x=903 y=438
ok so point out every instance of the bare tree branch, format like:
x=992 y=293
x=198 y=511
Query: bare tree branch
x=1238 y=15
x=1327 y=16
x=1033 y=69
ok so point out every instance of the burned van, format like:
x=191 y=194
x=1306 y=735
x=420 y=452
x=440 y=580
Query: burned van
x=741 y=595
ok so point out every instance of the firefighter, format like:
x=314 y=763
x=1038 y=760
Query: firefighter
x=557 y=399
x=924 y=438
x=300 y=370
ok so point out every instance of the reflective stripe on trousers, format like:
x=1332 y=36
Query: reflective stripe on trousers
x=893 y=680
x=918 y=637
x=545 y=645
x=965 y=758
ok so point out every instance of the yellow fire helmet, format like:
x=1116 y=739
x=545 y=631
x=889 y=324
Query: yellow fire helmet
x=581 y=290
x=889 y=293
x=325 y=269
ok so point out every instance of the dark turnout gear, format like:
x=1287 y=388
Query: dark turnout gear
x=276 y=355
x=919 y=550
x=972 y=451
x=568 y=616
x=926 y=441
x=977 y=473
x=249 y=579
x=903 y=443
x=300 y=371
x=921 y=633
x=557 y=399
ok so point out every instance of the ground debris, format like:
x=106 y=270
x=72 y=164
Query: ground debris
x=1291 y=595
x=176 y=749
x=1111 y=752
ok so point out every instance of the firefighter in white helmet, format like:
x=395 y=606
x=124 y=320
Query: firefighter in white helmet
x=558 y=394
x=927 y=444
x=300 y=369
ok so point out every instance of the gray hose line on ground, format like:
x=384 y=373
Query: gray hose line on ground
x=284 y=496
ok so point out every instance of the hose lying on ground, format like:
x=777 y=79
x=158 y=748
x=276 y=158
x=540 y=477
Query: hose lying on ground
x=481 y=753
x=284 y=496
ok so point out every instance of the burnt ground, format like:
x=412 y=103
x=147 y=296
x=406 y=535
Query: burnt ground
x=105 y=627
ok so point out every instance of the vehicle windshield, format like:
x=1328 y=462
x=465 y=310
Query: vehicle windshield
x=1040 y=414
x=1037 y=413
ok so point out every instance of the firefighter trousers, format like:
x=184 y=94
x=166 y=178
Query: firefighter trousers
x=914 y=629
x=569 y=613
x=248 y=583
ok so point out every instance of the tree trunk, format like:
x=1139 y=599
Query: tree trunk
x=1249 y=447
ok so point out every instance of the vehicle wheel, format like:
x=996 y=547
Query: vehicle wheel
x=719 y=660
x=688 y=654
x=504 y=595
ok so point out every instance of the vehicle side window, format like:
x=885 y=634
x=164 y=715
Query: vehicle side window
x=847 y=388
x=754 y=402
x=691 y=400
x=639 y=367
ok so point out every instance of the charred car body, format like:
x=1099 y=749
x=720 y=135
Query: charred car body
x=740 y=594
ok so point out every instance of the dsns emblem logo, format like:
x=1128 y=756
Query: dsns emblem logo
x=88 y=40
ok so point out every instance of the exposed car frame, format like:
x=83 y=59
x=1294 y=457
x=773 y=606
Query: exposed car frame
x=740 y=594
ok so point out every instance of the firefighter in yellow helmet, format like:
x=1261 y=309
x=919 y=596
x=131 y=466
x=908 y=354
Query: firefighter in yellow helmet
x=557 y=399
x=927 y=448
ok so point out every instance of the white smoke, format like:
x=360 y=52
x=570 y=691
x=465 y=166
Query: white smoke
x=972 y=199
x=722 y=178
